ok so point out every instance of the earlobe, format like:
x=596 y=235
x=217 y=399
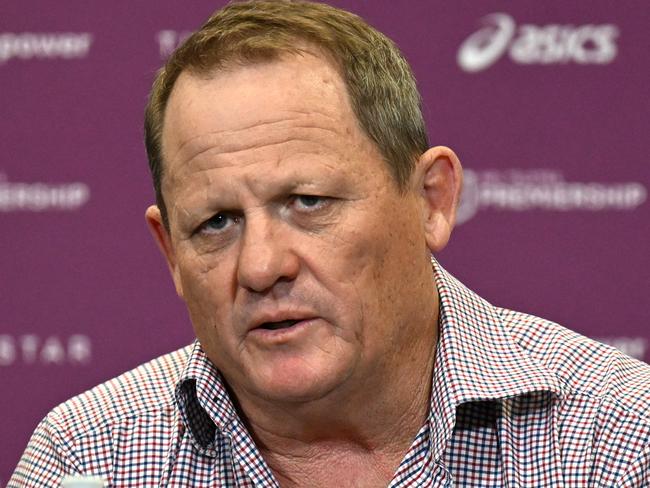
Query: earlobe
x=440 y=179
x=163 y=241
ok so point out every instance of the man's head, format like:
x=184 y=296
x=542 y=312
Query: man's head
x=379 y=81
x=300 y=251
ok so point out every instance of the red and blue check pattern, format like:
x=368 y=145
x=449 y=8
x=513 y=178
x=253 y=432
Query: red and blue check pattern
x=516 y=401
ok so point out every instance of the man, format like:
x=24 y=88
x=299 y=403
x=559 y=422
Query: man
x=298 y=205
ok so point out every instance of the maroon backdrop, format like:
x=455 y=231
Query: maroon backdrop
x=545 y=102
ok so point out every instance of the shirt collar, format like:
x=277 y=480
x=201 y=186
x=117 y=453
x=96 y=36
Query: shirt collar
x=476 y=358
x=203 y=401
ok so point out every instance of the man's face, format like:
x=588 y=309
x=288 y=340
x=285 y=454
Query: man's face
x=303 y=268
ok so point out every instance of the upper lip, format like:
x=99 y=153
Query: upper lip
x=264 y=317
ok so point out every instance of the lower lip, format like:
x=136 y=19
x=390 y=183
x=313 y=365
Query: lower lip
x=280 y=336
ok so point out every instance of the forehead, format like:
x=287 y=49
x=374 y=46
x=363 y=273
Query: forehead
x=246 y=104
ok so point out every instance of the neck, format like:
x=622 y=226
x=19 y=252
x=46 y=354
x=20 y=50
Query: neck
x=371 y=420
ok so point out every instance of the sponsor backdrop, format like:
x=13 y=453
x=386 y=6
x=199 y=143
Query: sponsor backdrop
x=545 y=102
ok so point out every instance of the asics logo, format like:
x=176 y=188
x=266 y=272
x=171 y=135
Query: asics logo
x=532 y=44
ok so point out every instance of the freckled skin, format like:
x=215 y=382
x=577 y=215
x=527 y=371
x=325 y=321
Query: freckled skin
x=245 y=142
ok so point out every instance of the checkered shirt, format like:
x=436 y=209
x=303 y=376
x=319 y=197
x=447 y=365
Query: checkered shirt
x=516 y=401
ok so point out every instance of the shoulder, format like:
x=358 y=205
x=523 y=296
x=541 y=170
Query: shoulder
x=146 y=391
x=603 y=411
x=107 y=426
x=583 y=366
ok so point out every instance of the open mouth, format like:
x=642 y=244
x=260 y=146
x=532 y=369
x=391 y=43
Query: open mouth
x=283 y=324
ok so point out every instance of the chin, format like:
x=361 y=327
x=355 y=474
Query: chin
x=298 y=382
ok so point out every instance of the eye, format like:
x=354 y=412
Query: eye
x=217 y=223
x=309 y=202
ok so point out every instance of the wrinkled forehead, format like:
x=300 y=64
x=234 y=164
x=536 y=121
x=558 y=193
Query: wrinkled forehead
x=240 y=102
x=219 y=71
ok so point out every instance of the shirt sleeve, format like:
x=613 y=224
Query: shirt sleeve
x=46 y=460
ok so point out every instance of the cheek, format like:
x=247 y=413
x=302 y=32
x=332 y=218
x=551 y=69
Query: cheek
x=206 y=290
x=373 y=263
x=381 y=240
x=361 y=260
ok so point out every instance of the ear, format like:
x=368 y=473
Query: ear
x=164 y=242
x=439 y=179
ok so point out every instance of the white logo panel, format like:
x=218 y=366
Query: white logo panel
x=36 y=45
x=45 y=351
x=544 y=189
x=533 y=44
x=42 y=197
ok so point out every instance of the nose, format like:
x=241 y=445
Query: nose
x=266 y=255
